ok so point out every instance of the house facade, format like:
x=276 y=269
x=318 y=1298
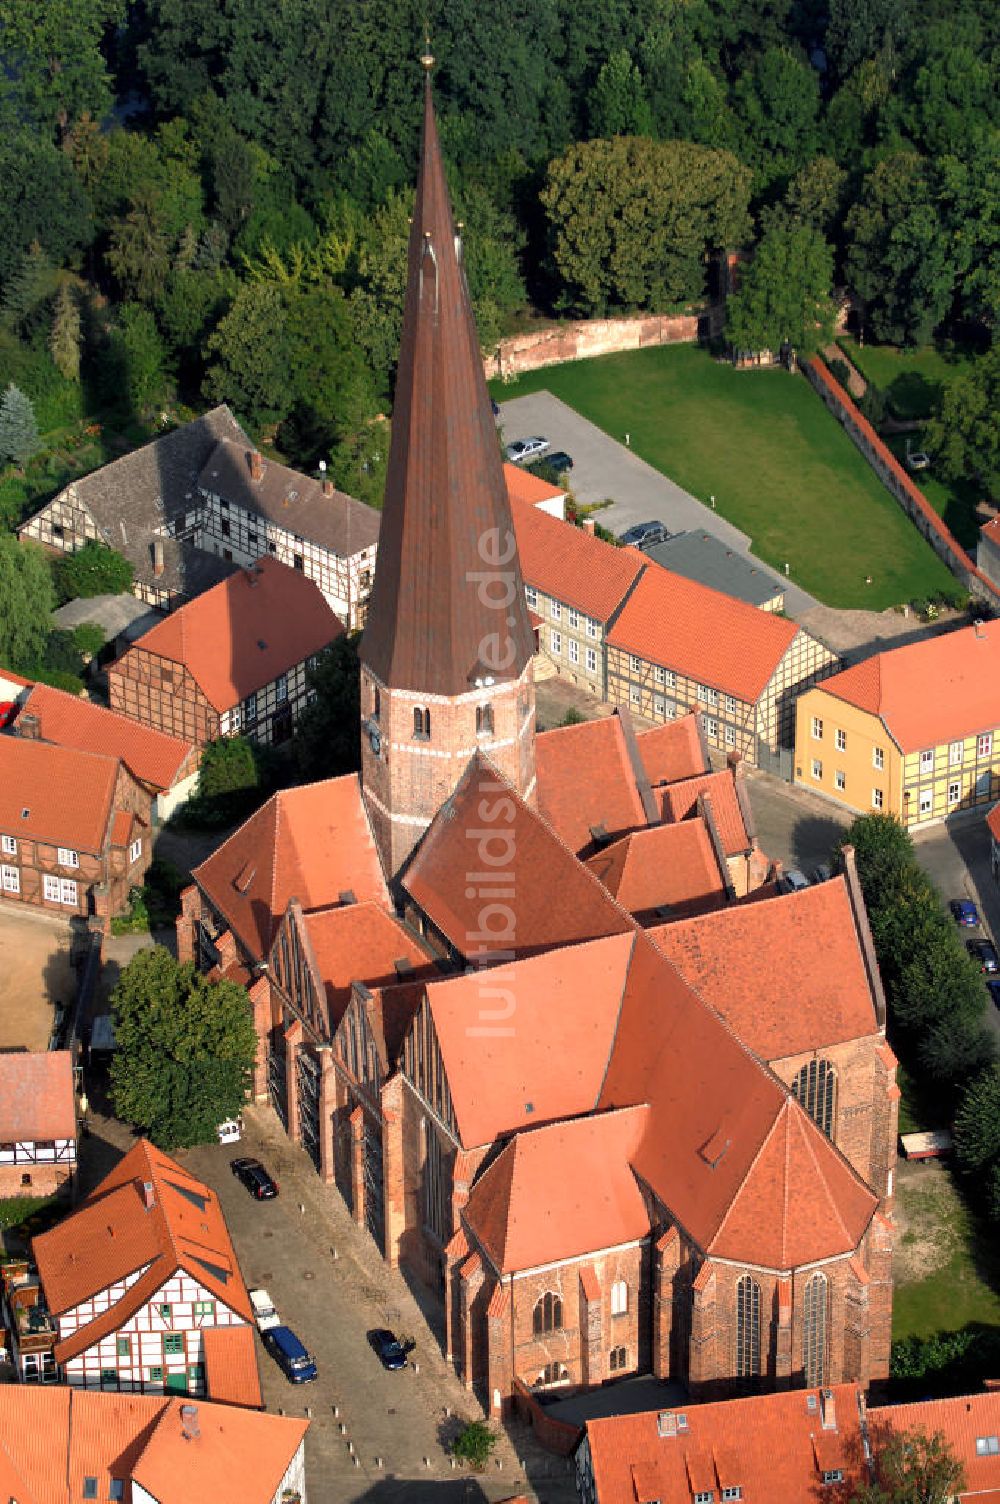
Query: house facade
x=38 y=1128
x=63 y=853
x=233 y=662
x=913 y=732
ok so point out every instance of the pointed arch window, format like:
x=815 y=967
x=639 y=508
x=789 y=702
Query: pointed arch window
x=484 y=720
x=421 y=723
x=548 y=1314
x=815 y=1088
x=376 y=701
x=747 y=1328
x=814 y=1331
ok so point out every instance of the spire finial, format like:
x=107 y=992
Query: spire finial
x=427 y=57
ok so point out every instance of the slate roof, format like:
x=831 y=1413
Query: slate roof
x=37 y=1100
x=704 y=558
x=964 y=669
x=40 y=793
x=446 y=517
x=151 y=756
x=246 y=632
x=294 y=501
x=312 y=843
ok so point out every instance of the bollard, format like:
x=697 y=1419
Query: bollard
x=416 y=1368
x=427 y=1462
x=499 y=1462
x=379 y=1462
x=447 y=1410
x=302 y=1208
x=350 y=1447
x=281 y=1410
x=452 y=1461
x=336 y=1411
x=343 y=1429
x=309 y=1412
x=357 y=1461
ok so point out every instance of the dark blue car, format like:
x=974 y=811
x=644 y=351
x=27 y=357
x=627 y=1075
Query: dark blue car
x=388 y=1349
x=965 y=913
x=298 y=1366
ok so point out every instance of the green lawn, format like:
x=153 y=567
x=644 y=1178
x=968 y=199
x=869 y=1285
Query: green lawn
x=911 y=379
x=779 y=465
x=946 y=1270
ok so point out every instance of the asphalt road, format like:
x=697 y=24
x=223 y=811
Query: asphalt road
x=604 y=467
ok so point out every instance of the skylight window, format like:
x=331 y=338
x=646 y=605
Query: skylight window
x=987 y=1446
x=90 y=1488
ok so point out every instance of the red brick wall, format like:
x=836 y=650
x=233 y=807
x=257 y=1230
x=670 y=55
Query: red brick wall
x=859 y=1111
x=45 y=1179
x=584 y=339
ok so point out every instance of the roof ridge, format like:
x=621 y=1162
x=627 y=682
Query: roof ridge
x=761 y=1147
x=810 y=1146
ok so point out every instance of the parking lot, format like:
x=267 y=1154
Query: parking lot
x=374 y=1434
x=37 y=976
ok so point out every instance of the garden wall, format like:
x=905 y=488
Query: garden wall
x=894 y=477
x=559 y=1436
x=585 y=339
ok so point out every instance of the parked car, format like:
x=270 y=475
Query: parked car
x=387 y=1348
x=230 y=1131
x=644 y=534
x=558 y=460
x=264 y=1313
x=526 y=449
x=256 y=1179
x=792 y=881
x=495 y=406
x=984 y=952
x=965 y=913
x=918 y=460
x=298 y=1365
x=994 y=988
x=821 y=874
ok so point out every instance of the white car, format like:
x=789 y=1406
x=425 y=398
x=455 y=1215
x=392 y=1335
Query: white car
x=918 y=460
x=526 y=449
x=792 y=881
x=263 y=1310
x=230 y=1131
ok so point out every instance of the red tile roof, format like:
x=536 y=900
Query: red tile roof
x=663 y=866
x=231 y=1375
x=311 y=843
x=673 y=751
x=528 y=489
x=549 y=1060
x=112 y=1235
x=37 y=1100
x=150 y=756
x=360 y=942
x=991 y=530
x=553 y=899
x=582 y=1214
x=576 y=568
x=963 y=1421
x=696 y=631
x=586 y=779
x=680 y=802
x=817 y=995
x=121 y=827
x=963 y=667
x=40 y=794
x=246 y=631
x=446 y=514
x=764 y=1446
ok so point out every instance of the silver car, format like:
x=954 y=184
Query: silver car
x=526 y=449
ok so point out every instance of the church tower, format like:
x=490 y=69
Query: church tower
x=446 y=656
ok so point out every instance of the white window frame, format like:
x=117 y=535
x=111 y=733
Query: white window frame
x=984 y=744
x=730 y=705
x=955 y=792
x=572 y=617
x=68 y=892
x=619 y=1298
x=634 y=664
x=591 y=660
x=877 y=799
x=67 y=857
x=712 y=698
x=531 y=595
x=555 y=610
x=592 y=627
x=816 y=771
x=878 y=758
x=555 y=641
x=135 y=850
x=839 y=780
x=573 y=649
x=927 y=761
x=659 y=705
x=671 y=678
x=956 y=751
x=840 y=740
x=817 y=728
x=926 y=802
x=635 y=695
x=10 y=879
x=9 y=846
x=711 y=728
x=730 y=732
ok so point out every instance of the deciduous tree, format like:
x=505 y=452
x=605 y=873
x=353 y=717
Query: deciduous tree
x=785 y=292
x=26 y=601
x=965 y=436
x=326 y=735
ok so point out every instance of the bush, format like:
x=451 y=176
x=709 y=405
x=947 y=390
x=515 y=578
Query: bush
x=92 y=570
x=840 y=371
x=572 y=717
x=136 y=921
x=872 y=405
x=475 y=1444
x=89 y=638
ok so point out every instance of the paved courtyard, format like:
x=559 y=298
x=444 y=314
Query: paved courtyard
x=37 y=976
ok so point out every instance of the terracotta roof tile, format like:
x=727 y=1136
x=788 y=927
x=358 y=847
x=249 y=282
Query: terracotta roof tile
x=819 y=993
x=37 y=1100
x=694 y=630
x=151 y=756
x=673 y=751
x=311 y=843
x=360 y=942
x=121 y=827
x=585 y=780
x=553 y=900
x=763 y=1446
x=663 y=866
x=579 y=1171
x=40 y=794
x=964 y=1421
x=231 y=1375
x=963 y=667
x=238 y=1457
x=576 y=568
x=551 y=1061
x=680 y=802
x=527 y=489
x=245 y=632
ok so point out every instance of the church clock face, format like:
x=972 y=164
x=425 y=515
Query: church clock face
x=375 y=737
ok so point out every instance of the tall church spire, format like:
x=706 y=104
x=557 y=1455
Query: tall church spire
x=446 y=657
x=431 y=622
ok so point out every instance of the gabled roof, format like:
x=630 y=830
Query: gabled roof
x=296 y=502
x=311 y=843
x=529 y=489
x=246 y=632
x=361 y=942
x=600 y=1208
x=432 y=624
x=52 y=1437
x=964 y=1420
x=564 y=561
x=111 y=1235
x=37 y=1100
x=662 y=866
x=705 y=558
x=40 y=794
x=549 y=1060
x=674 y=751
x=586 y=779
x=964 y=669
x=553 y=899
x=153 y=757
x=231 y=1374
x=709 y=637
x=680 y=802
x=771 y=1447
x=816 y=995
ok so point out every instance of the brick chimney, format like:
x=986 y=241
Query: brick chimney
x=256 y=462
x=158 y=565
x=29 y=726
x=589 y=526
x=828 y=1409
x=148 y=1195
x=327 y=487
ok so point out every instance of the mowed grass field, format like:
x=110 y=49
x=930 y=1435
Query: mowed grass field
x=778 y=463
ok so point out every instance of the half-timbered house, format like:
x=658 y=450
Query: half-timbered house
x=38 y=1129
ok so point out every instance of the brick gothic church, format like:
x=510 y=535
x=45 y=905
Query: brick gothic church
x=530 y=1001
